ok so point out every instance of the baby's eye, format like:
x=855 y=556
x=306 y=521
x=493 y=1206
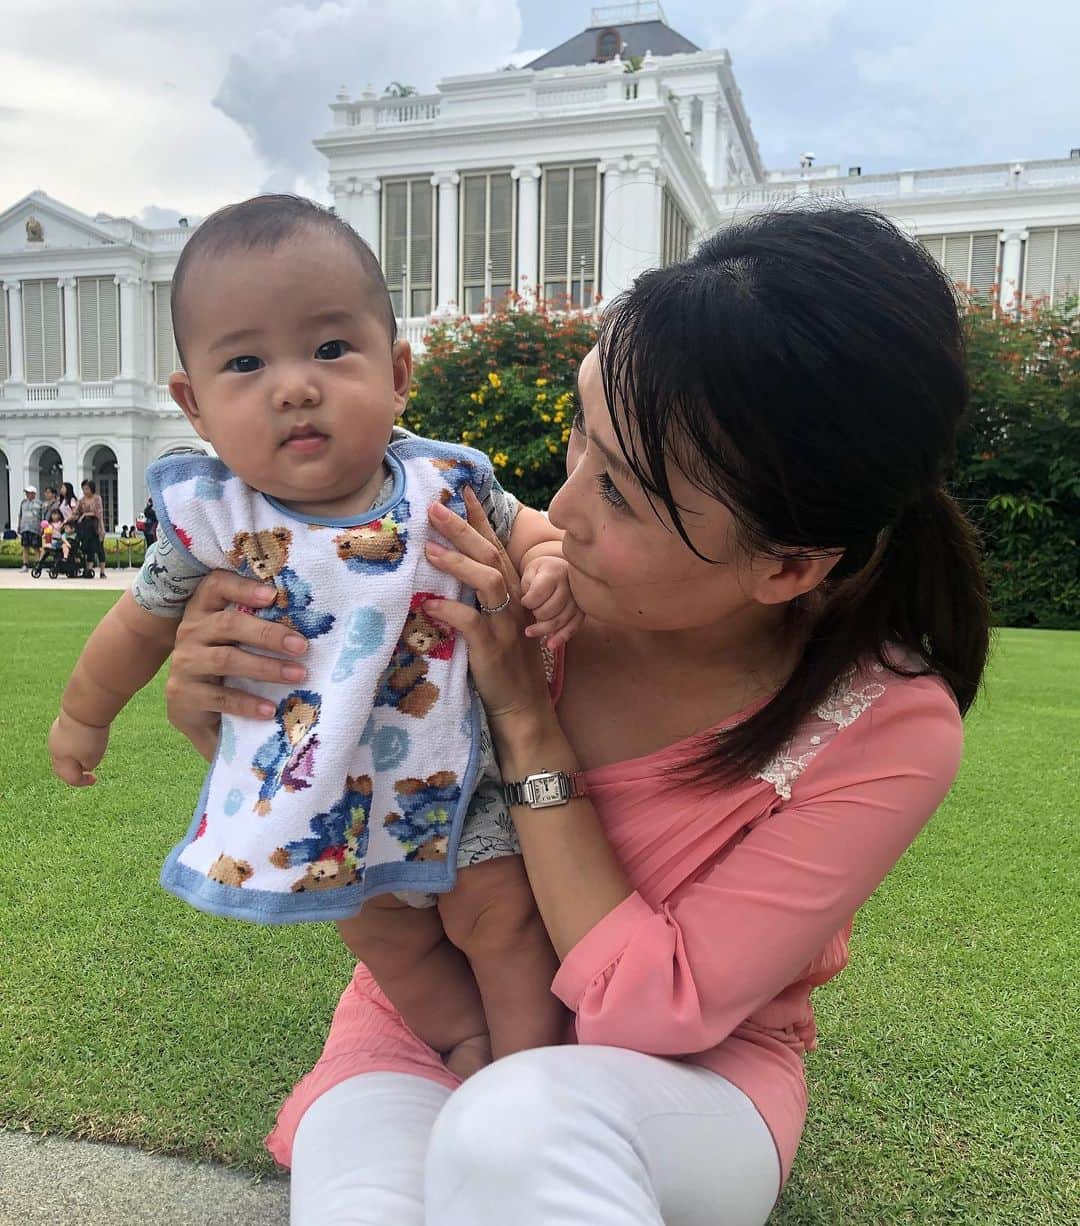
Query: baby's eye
x=244 y=365
x=330 y=350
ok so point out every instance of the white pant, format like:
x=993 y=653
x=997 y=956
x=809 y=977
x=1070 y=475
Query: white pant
x=557 y=1136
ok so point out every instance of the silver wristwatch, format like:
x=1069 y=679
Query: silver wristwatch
x=546 y=789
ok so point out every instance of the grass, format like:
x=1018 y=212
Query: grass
x=944 y=1089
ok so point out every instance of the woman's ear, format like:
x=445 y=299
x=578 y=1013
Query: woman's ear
x=184 y=394
x=781 y=580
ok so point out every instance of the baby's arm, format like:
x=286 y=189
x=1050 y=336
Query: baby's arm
x=124 y=652
x=535 y=548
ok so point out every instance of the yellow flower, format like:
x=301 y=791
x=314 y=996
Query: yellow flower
x=545 y=417
x=541 y=397
x=519 y=471
x=552 y=448
x=494 y=379
x=483 y=423
x=413 y=393
x=500 y=459
x=466 y=436
x=475 y=398
x=498 y=417
x=566 y=436
x=541 y=383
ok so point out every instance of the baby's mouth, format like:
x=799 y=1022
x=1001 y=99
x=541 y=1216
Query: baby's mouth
x=304 y=438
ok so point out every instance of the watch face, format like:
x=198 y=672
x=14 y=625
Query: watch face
x=546 y=789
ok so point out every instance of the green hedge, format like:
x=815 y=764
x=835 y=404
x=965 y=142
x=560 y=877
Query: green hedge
x=116 y=554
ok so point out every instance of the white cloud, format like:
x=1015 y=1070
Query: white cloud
x=279 y=85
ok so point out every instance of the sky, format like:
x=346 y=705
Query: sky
x=157 y=108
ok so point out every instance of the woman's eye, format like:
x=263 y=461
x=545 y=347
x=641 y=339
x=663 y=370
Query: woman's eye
x=330 y=350
x=244 y=365
x=609 y=492
x=579 y=422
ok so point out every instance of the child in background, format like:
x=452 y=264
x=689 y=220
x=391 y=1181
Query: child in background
x=52 y=535
x=376 y=781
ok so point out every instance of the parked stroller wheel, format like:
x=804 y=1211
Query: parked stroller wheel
x=35 y=572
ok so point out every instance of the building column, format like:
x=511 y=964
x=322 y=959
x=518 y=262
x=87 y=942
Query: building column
x=15 y=326
x=146 y=310
x=708 y=138
x=17 y=478
x=528 y=228
x=723 y=153
x=617 y=233
x=127 y=473
x=686 y=118
x=1011 y=267
x=362 y=211
x=648 y=208
x=127 y=325
x=447 y=284
x=71 y=374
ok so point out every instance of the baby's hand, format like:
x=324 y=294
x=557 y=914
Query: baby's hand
x=75 y=749
x=545 y=592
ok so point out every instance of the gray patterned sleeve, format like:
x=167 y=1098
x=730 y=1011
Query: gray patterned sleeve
x=167 y=580
x=501 y=508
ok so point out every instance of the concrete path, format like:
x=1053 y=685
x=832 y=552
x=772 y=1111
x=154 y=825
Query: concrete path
x=115 y=580
x=52 y=1181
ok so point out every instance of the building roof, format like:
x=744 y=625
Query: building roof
x=637 y=38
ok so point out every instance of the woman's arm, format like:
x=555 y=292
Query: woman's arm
x=678 y=978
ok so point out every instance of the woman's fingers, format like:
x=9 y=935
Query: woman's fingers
x=222 y=588
x=488 y=582
x=202 y=696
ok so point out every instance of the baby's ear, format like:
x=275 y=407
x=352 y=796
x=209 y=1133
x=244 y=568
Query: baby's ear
x=184 y=394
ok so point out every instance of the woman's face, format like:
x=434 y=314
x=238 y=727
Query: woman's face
x=86 y=487
x=628 y=564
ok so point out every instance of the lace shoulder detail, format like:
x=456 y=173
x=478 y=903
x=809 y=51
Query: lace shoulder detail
x=853 y=693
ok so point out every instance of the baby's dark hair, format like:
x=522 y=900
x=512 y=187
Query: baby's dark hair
x=55 y=513
x=268 y=222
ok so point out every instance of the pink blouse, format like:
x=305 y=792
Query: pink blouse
x=742 y=905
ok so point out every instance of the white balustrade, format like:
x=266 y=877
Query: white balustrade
x=97 y=392
x=39 y=393
x=163 y=396
x=395 y=114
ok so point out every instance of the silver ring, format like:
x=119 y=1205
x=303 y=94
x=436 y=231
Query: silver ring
x=497 y=609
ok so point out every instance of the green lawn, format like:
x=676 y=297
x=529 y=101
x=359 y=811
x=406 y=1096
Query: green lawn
x=944 y=1088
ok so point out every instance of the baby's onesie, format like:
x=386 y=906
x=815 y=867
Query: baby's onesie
x=362 y=783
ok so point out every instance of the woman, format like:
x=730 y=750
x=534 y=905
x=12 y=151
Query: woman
x=68 y=502
x=90 y=517
x=785 y=619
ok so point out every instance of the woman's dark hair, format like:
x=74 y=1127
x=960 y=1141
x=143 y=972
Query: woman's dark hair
x=67 y=492
x=806 y=368
x=55 y=511
x=91 y=484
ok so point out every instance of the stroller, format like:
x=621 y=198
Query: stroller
x=76 y=565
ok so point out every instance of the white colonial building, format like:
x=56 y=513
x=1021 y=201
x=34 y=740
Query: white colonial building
x=612 y=153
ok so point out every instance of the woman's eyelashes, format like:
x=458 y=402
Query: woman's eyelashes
x=578 y=422
x=609 y=492
x=248 y=363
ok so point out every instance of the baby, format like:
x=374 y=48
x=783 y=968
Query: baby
x=375 y=784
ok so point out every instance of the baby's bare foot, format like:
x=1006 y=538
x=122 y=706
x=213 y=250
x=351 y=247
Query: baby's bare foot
x=469 y=1056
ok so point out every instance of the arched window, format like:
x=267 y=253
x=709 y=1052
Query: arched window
x=608 y=44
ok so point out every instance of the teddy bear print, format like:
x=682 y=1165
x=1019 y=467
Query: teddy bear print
x=287 y=759
x=335 y=850
x=427 y=807
x=227 y=871
x=376 y=547
x=457 y=474
x=404 y=683
x=265 y=556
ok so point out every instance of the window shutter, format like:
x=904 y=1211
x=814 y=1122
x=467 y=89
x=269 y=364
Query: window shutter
x=43 y=331
x=166 y=359
x=1039 y=264
x=556 y=234
x=957 y=256
x=395 y=214
x=5 y=359
x=932 y=243
x=89 y=329
x=422 y=247
x=984 y=262
x=501 y=241
x=473 y=227
x=109 y=327
x=1067 y=264
x=584 y=235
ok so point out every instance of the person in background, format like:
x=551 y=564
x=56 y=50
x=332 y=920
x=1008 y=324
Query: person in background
x=150 y=522
x=90 y=517
x=29 y=527
x=52 y=534
x=68 y=501
x=49 y=500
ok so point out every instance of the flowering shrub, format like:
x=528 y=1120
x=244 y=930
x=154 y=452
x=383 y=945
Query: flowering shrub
x=505 y=384
x=1018 y=459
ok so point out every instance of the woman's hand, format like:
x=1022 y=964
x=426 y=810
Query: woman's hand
x=211 y=645
x=507 y=667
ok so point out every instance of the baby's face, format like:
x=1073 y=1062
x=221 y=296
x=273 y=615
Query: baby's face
x=290 y=371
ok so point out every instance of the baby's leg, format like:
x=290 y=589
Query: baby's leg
x=491 y=915
x=426 y=978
